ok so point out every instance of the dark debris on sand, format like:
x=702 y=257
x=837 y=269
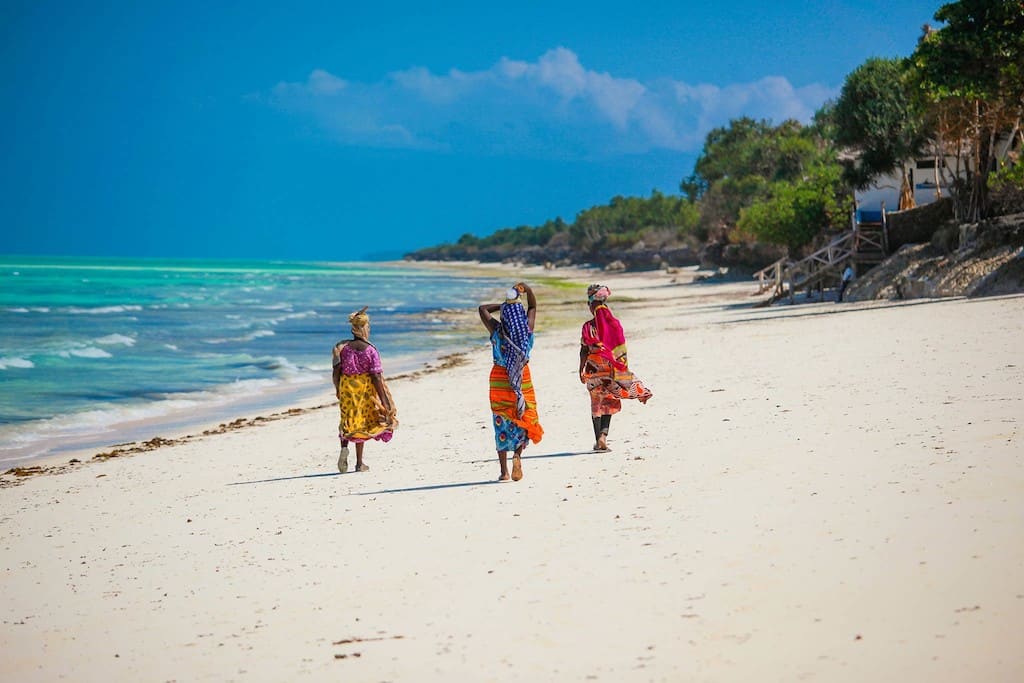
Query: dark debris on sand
x=16 y=475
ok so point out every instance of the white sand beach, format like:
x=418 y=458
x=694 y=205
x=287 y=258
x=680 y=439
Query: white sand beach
x=818 y=492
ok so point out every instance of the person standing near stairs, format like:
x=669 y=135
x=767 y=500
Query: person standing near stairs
x=845 y=280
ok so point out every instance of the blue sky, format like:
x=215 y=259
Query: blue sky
x=346 y=131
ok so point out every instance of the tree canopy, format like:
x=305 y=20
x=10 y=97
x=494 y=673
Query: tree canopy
x=794 y=213
x=753 y=164
x=878 y=117
x=971 y=72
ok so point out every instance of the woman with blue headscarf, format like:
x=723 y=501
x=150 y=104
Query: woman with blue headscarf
x=513 y=401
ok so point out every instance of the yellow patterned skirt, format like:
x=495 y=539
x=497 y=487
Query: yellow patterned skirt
x=363 y=416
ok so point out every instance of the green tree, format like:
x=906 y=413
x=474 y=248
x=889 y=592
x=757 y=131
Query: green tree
x=741 y=161
x=878 y=117
x=797 y=211
x=693 y=187
x=972 y=72
x=752 y=148
x=626 y=220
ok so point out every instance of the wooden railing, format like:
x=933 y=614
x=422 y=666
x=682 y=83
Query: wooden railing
x=860 y=243
x=825 y=262
x=770 y=277
x=795 y=274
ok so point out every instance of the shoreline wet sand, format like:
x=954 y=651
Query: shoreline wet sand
x=164 y=348
x=820 y=491
x=146 y=435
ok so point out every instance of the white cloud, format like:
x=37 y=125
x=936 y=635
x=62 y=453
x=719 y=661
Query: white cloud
x=551 y=107
x=323 y=83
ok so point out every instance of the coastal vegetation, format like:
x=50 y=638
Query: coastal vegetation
x=759 y=189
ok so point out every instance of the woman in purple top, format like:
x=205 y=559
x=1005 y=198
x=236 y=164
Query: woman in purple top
x=367 y=409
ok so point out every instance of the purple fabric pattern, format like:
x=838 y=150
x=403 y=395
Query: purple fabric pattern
x=360 y=362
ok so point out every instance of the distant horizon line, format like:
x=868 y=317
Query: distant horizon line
x=373 y=257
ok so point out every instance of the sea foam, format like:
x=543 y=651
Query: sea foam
x=112 y=339
x=22 y=363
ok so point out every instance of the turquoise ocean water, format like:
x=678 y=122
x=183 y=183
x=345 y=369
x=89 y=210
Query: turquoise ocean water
x=101 y=351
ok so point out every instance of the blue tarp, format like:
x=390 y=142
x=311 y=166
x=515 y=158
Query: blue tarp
x=866 y=216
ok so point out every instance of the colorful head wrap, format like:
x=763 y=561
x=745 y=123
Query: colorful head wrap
x=597 y=292
x=360 y=323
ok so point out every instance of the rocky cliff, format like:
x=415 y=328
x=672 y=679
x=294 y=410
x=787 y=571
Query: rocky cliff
x=980 y=259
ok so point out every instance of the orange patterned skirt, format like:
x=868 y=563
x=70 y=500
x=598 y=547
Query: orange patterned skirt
x=608 y=386
x=503 y=403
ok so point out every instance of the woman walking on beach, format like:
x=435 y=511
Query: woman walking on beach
x=367 y=409
x=513 y=401
x=603 y=365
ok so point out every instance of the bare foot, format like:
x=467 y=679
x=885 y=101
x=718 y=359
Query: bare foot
x=362 y=468
x=602 y=444
x=343 y=460
x=517 y=468
x=503 y=477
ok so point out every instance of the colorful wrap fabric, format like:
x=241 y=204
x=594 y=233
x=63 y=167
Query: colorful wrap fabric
x=360 y=323
x=598 y=293
x=598 y=374
x=505 y=412
x=605 y=370
x=608 y=386
x=604 y=334
x=363 y=416
x=508 y=436
x=515 y=338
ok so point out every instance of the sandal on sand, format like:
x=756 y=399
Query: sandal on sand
x=343 y=460
x=517 y=469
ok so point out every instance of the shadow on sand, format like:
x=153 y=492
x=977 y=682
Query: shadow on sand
x=488 y=482
x=298 y=476
x=433 y=487
x=494 y=458
x=805 y=310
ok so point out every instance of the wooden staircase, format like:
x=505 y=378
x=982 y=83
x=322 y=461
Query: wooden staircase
x=872 y=243
x=866 y=244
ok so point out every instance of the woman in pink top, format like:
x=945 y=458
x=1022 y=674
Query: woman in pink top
x=367 y=409
x=604 y=366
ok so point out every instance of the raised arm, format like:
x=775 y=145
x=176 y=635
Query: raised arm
x=485 y=311
x=531 y=304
